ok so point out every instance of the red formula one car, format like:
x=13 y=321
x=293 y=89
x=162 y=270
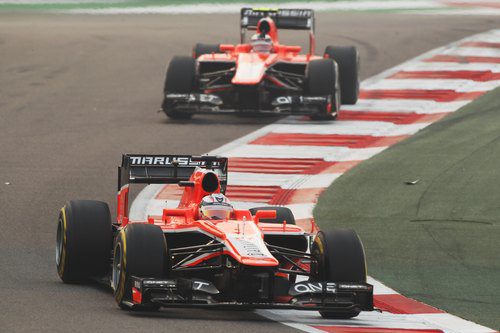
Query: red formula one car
x=205 y=253
x=263 y=75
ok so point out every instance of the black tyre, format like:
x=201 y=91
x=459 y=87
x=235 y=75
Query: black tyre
x=322 y=80
x=201 y=48
x=180 y=79
x=84 y=238
x=282 y=214
x=347 y=58
x=341 y=258
x=140 y=250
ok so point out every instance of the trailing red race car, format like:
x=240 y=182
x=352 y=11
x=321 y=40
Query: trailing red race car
x=263 y=75
x=206 y=253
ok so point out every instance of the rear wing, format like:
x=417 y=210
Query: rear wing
x=168 y=169
x=293 y=19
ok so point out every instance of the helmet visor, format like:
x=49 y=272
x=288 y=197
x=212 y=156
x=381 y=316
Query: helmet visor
x=216 y=212
x=263 y=45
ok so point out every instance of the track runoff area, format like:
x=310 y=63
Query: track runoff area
x=291 y=162
x=441 y=7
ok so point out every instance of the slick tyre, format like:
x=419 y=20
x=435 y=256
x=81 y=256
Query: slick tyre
x=140 y=250
x=340 y=258
x=200 y=49
x=83 y=242
x=347 y=58
x=322 y=80
x=180 y=79
x=282 y=214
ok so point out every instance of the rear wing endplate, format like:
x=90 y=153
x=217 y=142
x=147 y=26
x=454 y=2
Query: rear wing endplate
x=168 y=169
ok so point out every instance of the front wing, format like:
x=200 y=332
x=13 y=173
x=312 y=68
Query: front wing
x=210 y=103
x=306 y=295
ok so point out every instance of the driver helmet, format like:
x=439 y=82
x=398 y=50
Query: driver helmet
x=215 y=206
x=261 y=43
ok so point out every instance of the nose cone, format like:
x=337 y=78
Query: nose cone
x=250 y=69
x=245 y=243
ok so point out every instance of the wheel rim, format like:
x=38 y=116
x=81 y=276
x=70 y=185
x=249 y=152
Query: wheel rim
x=117 y=266
x=59 y=241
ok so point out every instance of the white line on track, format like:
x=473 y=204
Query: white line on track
x=353 y=127
x=457 y=85
x=473 y=52
x=452 y=66
x=405 y=106
x=285 y=181
x=330 y=154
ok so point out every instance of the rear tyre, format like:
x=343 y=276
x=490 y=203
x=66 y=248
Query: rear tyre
x=84 y=237
x=347 y=58
x=180 y=79
x=282 y=214
x=341 y=258
x=140 y=250
x=200 y=49
x=322 y=80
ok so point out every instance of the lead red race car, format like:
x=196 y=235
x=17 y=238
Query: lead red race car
x=262 y=75
x=205 y=252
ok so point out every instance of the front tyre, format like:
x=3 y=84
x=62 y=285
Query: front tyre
x=180 y=79
x=340 y=258
x=140 y=250
x=83 y=243
x=201 y=48
x=347 y=58
x=322 y=80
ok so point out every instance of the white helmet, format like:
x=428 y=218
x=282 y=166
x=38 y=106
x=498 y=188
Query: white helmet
x=261 y=43
x=215 y=207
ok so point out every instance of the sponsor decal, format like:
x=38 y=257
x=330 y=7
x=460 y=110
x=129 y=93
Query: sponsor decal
x=178 y=96
x=166 y=161
x=354 y=286
x=192 y=98
x=211 y=99
x=204 y=286
x=262 y=12
x=250 y=249
x=299 y=100
x=198 y=285
x=301 y=13
x=312 y=288
x=250 y=245
x=160 y=283
x=283 y=100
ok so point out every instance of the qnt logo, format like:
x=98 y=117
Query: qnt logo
x=313 y=288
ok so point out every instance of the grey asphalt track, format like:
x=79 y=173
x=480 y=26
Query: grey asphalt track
x=78 y=91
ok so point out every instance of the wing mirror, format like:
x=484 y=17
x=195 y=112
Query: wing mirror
x=264 y=214
x=226 y=48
